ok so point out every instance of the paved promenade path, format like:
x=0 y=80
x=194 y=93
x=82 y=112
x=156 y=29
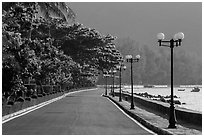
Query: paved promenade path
x=79 y=113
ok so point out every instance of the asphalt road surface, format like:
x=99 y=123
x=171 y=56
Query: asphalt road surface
x=84 y=113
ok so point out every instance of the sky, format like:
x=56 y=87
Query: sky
x=142 y=21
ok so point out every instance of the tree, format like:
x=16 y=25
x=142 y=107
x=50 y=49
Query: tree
x=86 y=47
x=50 y=51
x=47 y=9
x=22 y=55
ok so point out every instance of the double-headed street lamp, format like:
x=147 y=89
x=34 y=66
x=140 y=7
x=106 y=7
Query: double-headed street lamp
x=120 y=68
x=176 y=41
x=130 y=59
x=112 y=72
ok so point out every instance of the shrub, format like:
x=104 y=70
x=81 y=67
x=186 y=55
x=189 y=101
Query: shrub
x=56 y=88
x=31 y=89
x=31 y=86
x=47 y=88
x=10 y=103
x=28 y=98
x=44 y=94
x=20 y=99
x=40 y=95
x=34 y=97
x=38 y=89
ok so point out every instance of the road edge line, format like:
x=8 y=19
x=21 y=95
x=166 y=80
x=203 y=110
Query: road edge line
x=25 y=111
x=135 y=121
x=144 y=123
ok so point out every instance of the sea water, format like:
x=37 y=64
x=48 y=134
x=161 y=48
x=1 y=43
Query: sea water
x=189 y=100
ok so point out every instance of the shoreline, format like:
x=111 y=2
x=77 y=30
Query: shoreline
x=182 y=114
x=189 y=100
x=179 y=103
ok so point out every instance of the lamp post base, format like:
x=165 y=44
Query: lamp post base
x=172 y=117
x=120 y=100
x=172 y=126
x=132 y=106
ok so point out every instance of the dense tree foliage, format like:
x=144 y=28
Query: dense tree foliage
x=47 y=9
x=50 y=51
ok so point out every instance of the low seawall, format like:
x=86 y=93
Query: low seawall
x=182 y=114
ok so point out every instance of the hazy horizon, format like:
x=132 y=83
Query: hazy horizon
x=142 y=21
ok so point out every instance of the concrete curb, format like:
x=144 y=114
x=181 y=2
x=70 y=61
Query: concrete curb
x=147 y=124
